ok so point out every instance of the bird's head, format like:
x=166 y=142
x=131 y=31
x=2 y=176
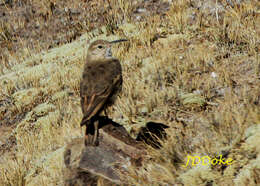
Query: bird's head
x=101 y=49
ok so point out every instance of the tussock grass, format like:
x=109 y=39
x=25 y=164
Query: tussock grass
x=189 y=69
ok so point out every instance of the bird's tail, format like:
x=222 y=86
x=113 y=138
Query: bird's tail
x=85 y=121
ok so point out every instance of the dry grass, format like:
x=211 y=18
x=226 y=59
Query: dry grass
x=196 y=71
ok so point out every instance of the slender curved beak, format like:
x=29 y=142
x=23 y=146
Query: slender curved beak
x=119 y=40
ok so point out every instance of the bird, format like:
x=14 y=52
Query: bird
x=99 y=87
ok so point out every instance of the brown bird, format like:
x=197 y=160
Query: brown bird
x=101 y=82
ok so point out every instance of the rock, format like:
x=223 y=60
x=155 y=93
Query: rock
x=152 y=134
x=116 y=152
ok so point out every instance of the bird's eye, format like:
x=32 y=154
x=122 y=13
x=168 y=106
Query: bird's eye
x=100 y=46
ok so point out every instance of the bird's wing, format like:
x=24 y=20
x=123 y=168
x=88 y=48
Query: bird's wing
x=96 y=86
x=92 y=104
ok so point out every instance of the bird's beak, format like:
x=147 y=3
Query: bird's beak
x=117 y=41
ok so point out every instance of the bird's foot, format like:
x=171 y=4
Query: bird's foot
x=91 y=140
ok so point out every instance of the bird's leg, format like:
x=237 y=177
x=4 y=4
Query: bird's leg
x=88 y=137
x=95 y=139
x=105 y=112
x=91 y=135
